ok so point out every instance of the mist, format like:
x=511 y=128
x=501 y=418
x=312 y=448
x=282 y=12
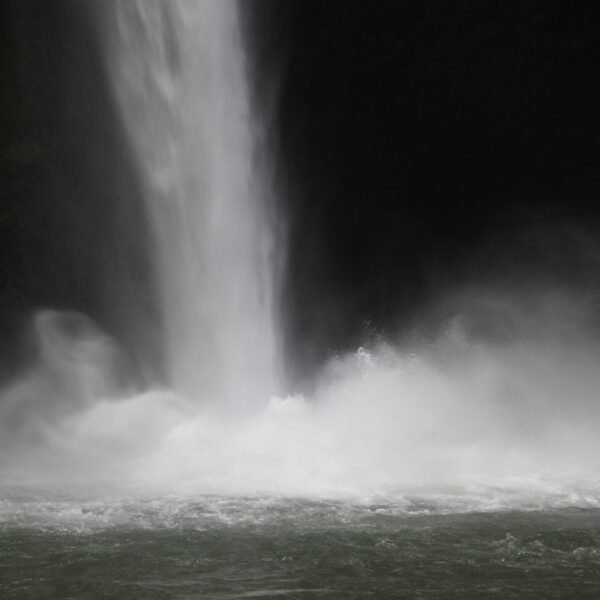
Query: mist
x=499 y=405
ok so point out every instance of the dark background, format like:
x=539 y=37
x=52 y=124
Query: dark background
x=419 y=146
x=428 y=145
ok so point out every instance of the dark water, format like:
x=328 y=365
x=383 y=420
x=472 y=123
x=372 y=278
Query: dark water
x=220 y=547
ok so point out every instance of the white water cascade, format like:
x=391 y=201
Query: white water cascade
x=499 y=409
x=181 y=82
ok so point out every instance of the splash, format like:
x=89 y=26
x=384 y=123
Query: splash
x=465 y=410
x=467 y=420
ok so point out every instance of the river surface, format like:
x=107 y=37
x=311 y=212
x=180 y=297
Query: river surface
x=443 y=545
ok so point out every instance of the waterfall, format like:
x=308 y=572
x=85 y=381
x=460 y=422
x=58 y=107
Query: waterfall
x=181 y=82
x=497 y=388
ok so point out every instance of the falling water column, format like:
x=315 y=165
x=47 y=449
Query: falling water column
x=180 y=78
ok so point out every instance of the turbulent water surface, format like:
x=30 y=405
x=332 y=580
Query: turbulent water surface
x=55 y=546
